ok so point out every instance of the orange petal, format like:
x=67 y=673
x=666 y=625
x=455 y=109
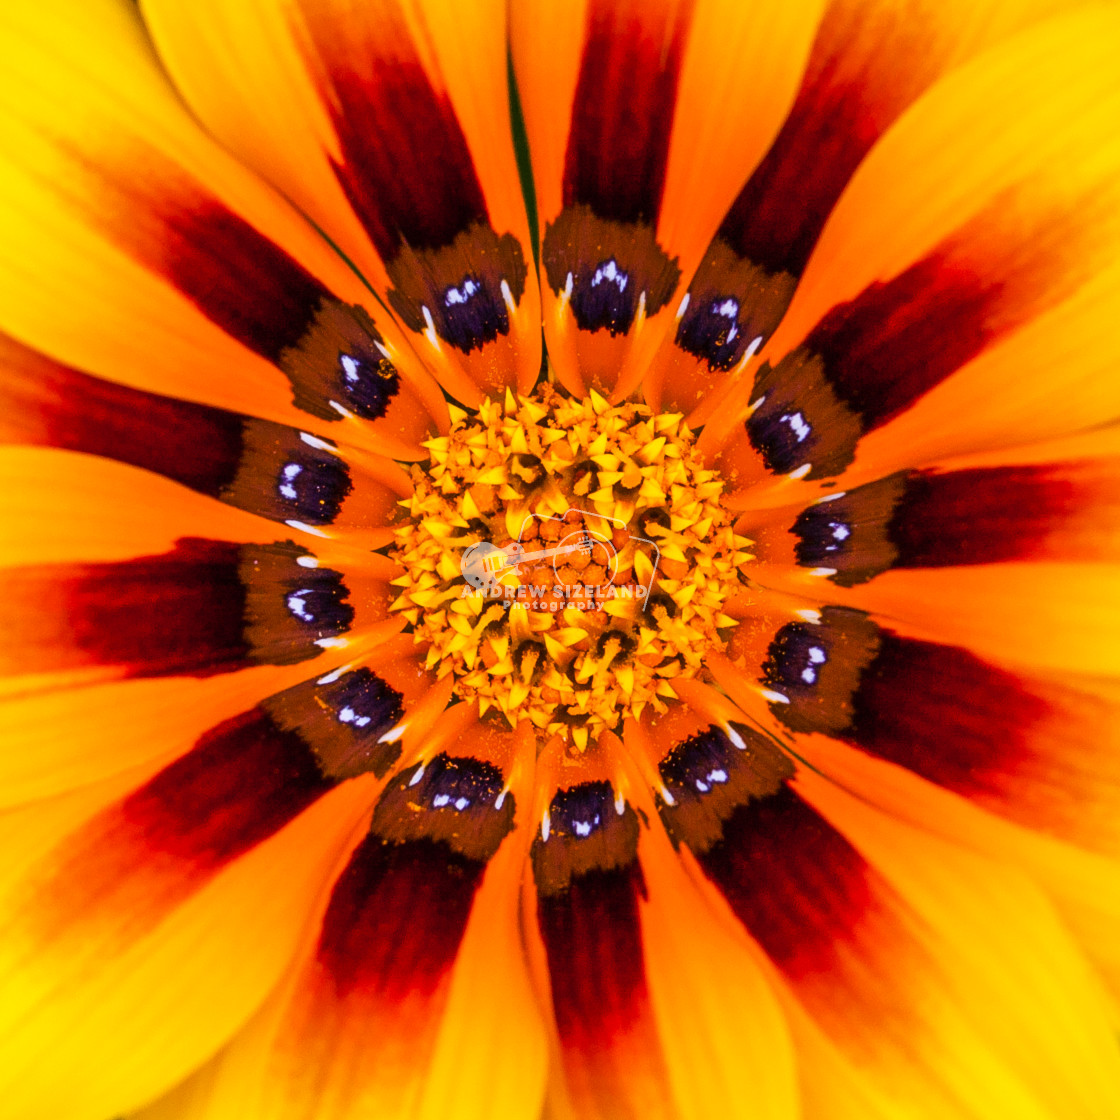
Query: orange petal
x=582 y=914
x=888 y=944
x=869 y=62
x=135 y=248
x=1035 y=749
x=629 y=109
x=1082 y=884
x=947 y=246
x=389 y=125
x=418 y=949
x=126 y=1020
x=269 y=469
x=205 y=607
x=1064 y=509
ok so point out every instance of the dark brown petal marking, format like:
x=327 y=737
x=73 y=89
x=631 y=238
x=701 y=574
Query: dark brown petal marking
x=589 y=883
x=287 y=476
x=796 y=883
x=290 y=607
x=937 y=710
x=396 y=918
x=586 y=834
x=268 y=469
x=709 y=775
x=398 y=912
x=926 y=519
x=612 y=268
x=800 y=420
x=731 y=303
x=850 y=534
x=898 y=339
x=246 y=285
x=342 y=718
x=818 y=668
x=603 y=242
x=460 y=286
x=340 y=365
x=408 y=172
x=457 y=802
x=206 y=607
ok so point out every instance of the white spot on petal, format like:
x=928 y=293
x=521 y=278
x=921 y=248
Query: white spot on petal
x=774 y=697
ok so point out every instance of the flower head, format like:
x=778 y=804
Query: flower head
x=707 y=711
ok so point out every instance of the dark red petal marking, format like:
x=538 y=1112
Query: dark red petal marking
x=622 y=115
x=257 y=465
x=899 y=338
x=938 y=710
x=983 y=515
x=206 y=607
x=751 y=269
x=396 y=917
x=589 y=883
x=242 y=782
x=242 y=281
x=180 y=612
x=408 y=172
x=943 y=713
x=602 y=249
x=836 y=118
x=246 y=285
x=405 y=164
x=796 y=883
x=592 y=936
x=398 y=913
x=239 y=279
x=45 y=402
x=779 y=214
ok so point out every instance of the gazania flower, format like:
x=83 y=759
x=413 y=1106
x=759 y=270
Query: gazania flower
x=714 y=717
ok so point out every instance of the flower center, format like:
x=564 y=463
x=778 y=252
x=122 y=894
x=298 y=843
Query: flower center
x=567 y=560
